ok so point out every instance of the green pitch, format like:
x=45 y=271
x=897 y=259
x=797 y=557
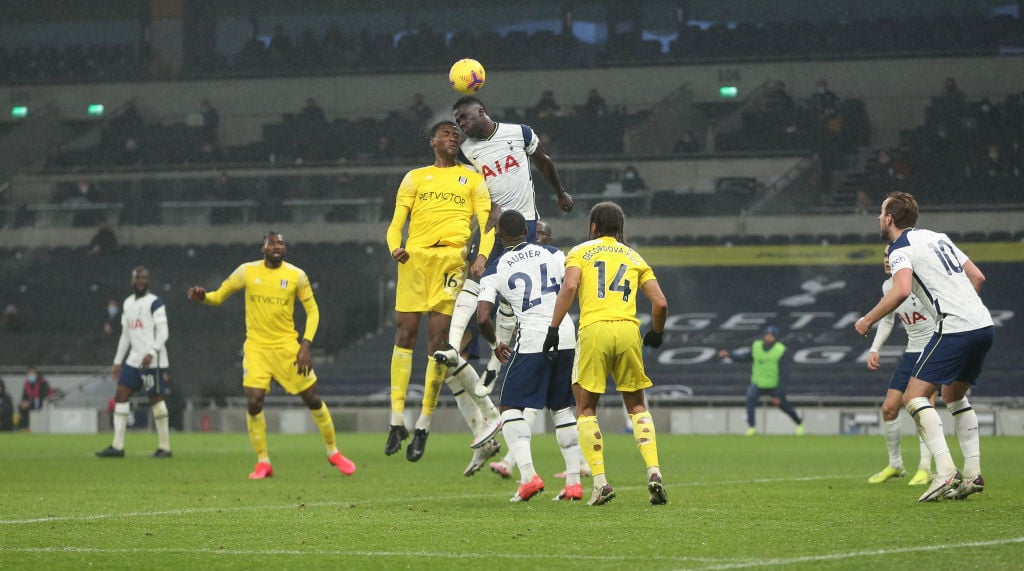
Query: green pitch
x=734 y=503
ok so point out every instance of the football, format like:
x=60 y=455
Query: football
x=466 y=76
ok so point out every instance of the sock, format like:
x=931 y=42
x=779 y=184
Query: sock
x=517 y=436
x=929 y=427
x=323 y=420
x=257 y=426
x=121 y=412
x=432 y=381
x=569 y=442
x=646 y=439
x=592 y=446
x=966 y=422
x=464 y=399
x=505 y=322
x=892 y=442
x=468 y=378
x=401 y=372
x=465 y=310
x=926 y=456
x=528 y=414
x=163 y=429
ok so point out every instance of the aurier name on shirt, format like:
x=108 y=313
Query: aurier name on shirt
x=511 y=258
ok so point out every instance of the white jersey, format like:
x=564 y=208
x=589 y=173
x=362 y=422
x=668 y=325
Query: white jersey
x=939 y=279
x=529 y=277
x=143 y=331
x=504 y=160
x=917 y=318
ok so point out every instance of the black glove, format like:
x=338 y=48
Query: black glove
x=653 y=339
x=551 y=344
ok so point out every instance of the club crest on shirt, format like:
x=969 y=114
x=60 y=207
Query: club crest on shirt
x=463 y=180
x=284 y=284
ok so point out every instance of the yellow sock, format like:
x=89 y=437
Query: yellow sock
x=432 y=386
x=257 y=426
x=646 y=439
x=401 y=371
x=322 y=418
x=591 y=443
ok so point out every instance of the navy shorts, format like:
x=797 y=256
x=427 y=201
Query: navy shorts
x=531 y=381
x=952 y=357
x=150 y=380
x=905 y=368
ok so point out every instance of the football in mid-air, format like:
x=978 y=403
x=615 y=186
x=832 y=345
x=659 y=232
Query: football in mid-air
x=466 y=76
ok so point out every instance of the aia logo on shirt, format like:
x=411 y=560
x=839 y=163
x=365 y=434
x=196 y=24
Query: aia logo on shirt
x=500 y=166
x=912 y=318
x=136 y=324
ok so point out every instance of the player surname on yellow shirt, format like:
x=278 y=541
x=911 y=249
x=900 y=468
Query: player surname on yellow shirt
x=611 y=276
x=270 y=295
x=443 y=201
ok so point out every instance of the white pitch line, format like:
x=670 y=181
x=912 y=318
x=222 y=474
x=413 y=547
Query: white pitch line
x=718 y=563
x=783 y=561
x=187 y=511
x=340 y=552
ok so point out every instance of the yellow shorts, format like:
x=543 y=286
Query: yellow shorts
x=262 y=363
x=430 y=280
x=610 y=347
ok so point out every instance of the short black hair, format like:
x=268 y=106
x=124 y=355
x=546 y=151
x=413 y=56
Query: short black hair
x=263 y=240
x=512 y=223
x=467 y=100
x=437 y=126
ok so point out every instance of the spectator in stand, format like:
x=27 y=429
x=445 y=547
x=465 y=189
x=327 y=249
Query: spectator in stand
x=13 y=323
x=384 y=149
x=824 y=104
x=281 y=46
x=993 y=164
x=312 y=113
x=6 y=409
x=419 y=111
x=546 y=106
x=112 y=319
x=211 y=120
x=594 y=105
x=686 y=143
x=104 y=241
x=80 y=197
x=824 y=99
x=779 y=108
x=34 y=395
x=631 y=181
x=949 y=106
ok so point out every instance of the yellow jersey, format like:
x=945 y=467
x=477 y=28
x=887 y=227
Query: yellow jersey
x=611 y=274
x=439 y=204
x=270 y=295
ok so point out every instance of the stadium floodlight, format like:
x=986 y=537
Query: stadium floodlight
x=728 y=91
x=19 y=112
x=95 y=109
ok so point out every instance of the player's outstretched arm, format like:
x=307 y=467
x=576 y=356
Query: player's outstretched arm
x=196 y=293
